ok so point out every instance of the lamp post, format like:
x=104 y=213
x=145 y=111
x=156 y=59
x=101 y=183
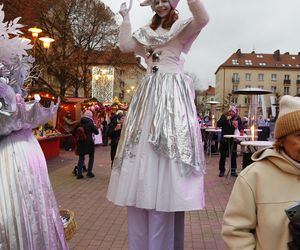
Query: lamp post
x=253 y=105
x=213 y=112
x=130 y=91
x=46 y=42
x=35 y=33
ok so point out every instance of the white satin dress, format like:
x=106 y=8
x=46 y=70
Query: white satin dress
x=29 y=216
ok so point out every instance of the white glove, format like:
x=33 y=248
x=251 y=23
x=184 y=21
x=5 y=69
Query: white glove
x=124 y=10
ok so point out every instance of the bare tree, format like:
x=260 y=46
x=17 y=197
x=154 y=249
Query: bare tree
x=29 y=10
x=196 y=80
x=79 y=27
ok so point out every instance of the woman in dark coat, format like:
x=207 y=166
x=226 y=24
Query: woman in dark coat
x=85 y=143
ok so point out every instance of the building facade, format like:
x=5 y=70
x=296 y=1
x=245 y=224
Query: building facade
x=203 y=98
x=277 y=72
x=115 y=74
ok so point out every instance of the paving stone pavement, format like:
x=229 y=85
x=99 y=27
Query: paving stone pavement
x=102 y=225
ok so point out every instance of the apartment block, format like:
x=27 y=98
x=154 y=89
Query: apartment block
x=277 y=72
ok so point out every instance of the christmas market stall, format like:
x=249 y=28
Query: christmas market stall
x=47 y=135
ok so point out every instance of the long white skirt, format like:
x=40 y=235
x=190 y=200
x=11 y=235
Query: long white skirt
x=144 y=175
x=29 y=216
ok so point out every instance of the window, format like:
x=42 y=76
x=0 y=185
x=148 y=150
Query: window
x=262 y=64
x=247 y=100
x=235 y=62
x=286 y=90
x=248 y=77
x=260 y=86
x=122 y=84
x=273 y=89
x=248 y=86
x=259 y=56
x=273 y=77
x=234 y=87
x=260 y=77
x=298 y=90
x=286 y=77
x=234 y=100
x=235 y=78
x=298 y=77
x=248 y=62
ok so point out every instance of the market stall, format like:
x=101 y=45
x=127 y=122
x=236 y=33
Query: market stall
x=49 y=140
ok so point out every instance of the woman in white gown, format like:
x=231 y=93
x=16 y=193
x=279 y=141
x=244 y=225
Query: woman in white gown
x=159 y=166
x=29 y=216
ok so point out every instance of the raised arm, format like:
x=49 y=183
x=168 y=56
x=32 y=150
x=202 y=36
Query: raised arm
x=126 y=41
x=200 y=19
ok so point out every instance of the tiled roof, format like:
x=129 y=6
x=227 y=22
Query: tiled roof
x=110 y=56
x=261 y=60
x=208 y=92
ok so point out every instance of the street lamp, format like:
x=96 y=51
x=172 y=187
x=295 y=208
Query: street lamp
x=46 y=42
x=130 y=91
x=35 y=33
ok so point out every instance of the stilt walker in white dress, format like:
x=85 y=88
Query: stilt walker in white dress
x=29 y=216
x=159 y=166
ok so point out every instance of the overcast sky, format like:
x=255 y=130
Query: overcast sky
x=260 y=25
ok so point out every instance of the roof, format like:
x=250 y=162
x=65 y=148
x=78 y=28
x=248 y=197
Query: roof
x=208 y=92
x=114 y=56
x=261 y=60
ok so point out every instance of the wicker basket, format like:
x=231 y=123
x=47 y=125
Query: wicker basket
x=70 y=227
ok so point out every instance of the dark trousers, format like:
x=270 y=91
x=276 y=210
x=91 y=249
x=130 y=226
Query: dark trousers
x=104 y=137
x=90 y=165
x=224 y=151
x=68 y=143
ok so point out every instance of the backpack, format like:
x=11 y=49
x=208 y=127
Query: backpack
x=80 y=134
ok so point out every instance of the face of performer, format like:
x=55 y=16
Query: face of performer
x=162 y=8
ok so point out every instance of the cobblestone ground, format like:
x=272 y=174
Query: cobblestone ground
x=102 y=225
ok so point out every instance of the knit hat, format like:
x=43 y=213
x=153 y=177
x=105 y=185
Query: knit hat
x=288 y=120
x=232 y=108
x=88 y=114
x=173 y=3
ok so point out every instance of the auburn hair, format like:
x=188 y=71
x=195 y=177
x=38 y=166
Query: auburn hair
x=167 y=23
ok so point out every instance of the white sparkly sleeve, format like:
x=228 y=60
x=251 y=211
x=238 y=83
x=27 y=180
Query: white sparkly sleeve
x=200 y=19
x=26 y=116
x=126 y=41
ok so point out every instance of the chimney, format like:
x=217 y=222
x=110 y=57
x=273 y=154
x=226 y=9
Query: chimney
x=253 y=52
x=287 y=53
x=276 y=55
x=239 y=53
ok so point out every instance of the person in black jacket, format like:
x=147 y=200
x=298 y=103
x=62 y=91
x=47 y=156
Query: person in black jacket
x=114 y=132
x=228 y=122
x=85 y=143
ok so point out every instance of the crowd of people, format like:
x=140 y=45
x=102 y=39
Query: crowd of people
x=91 y=129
